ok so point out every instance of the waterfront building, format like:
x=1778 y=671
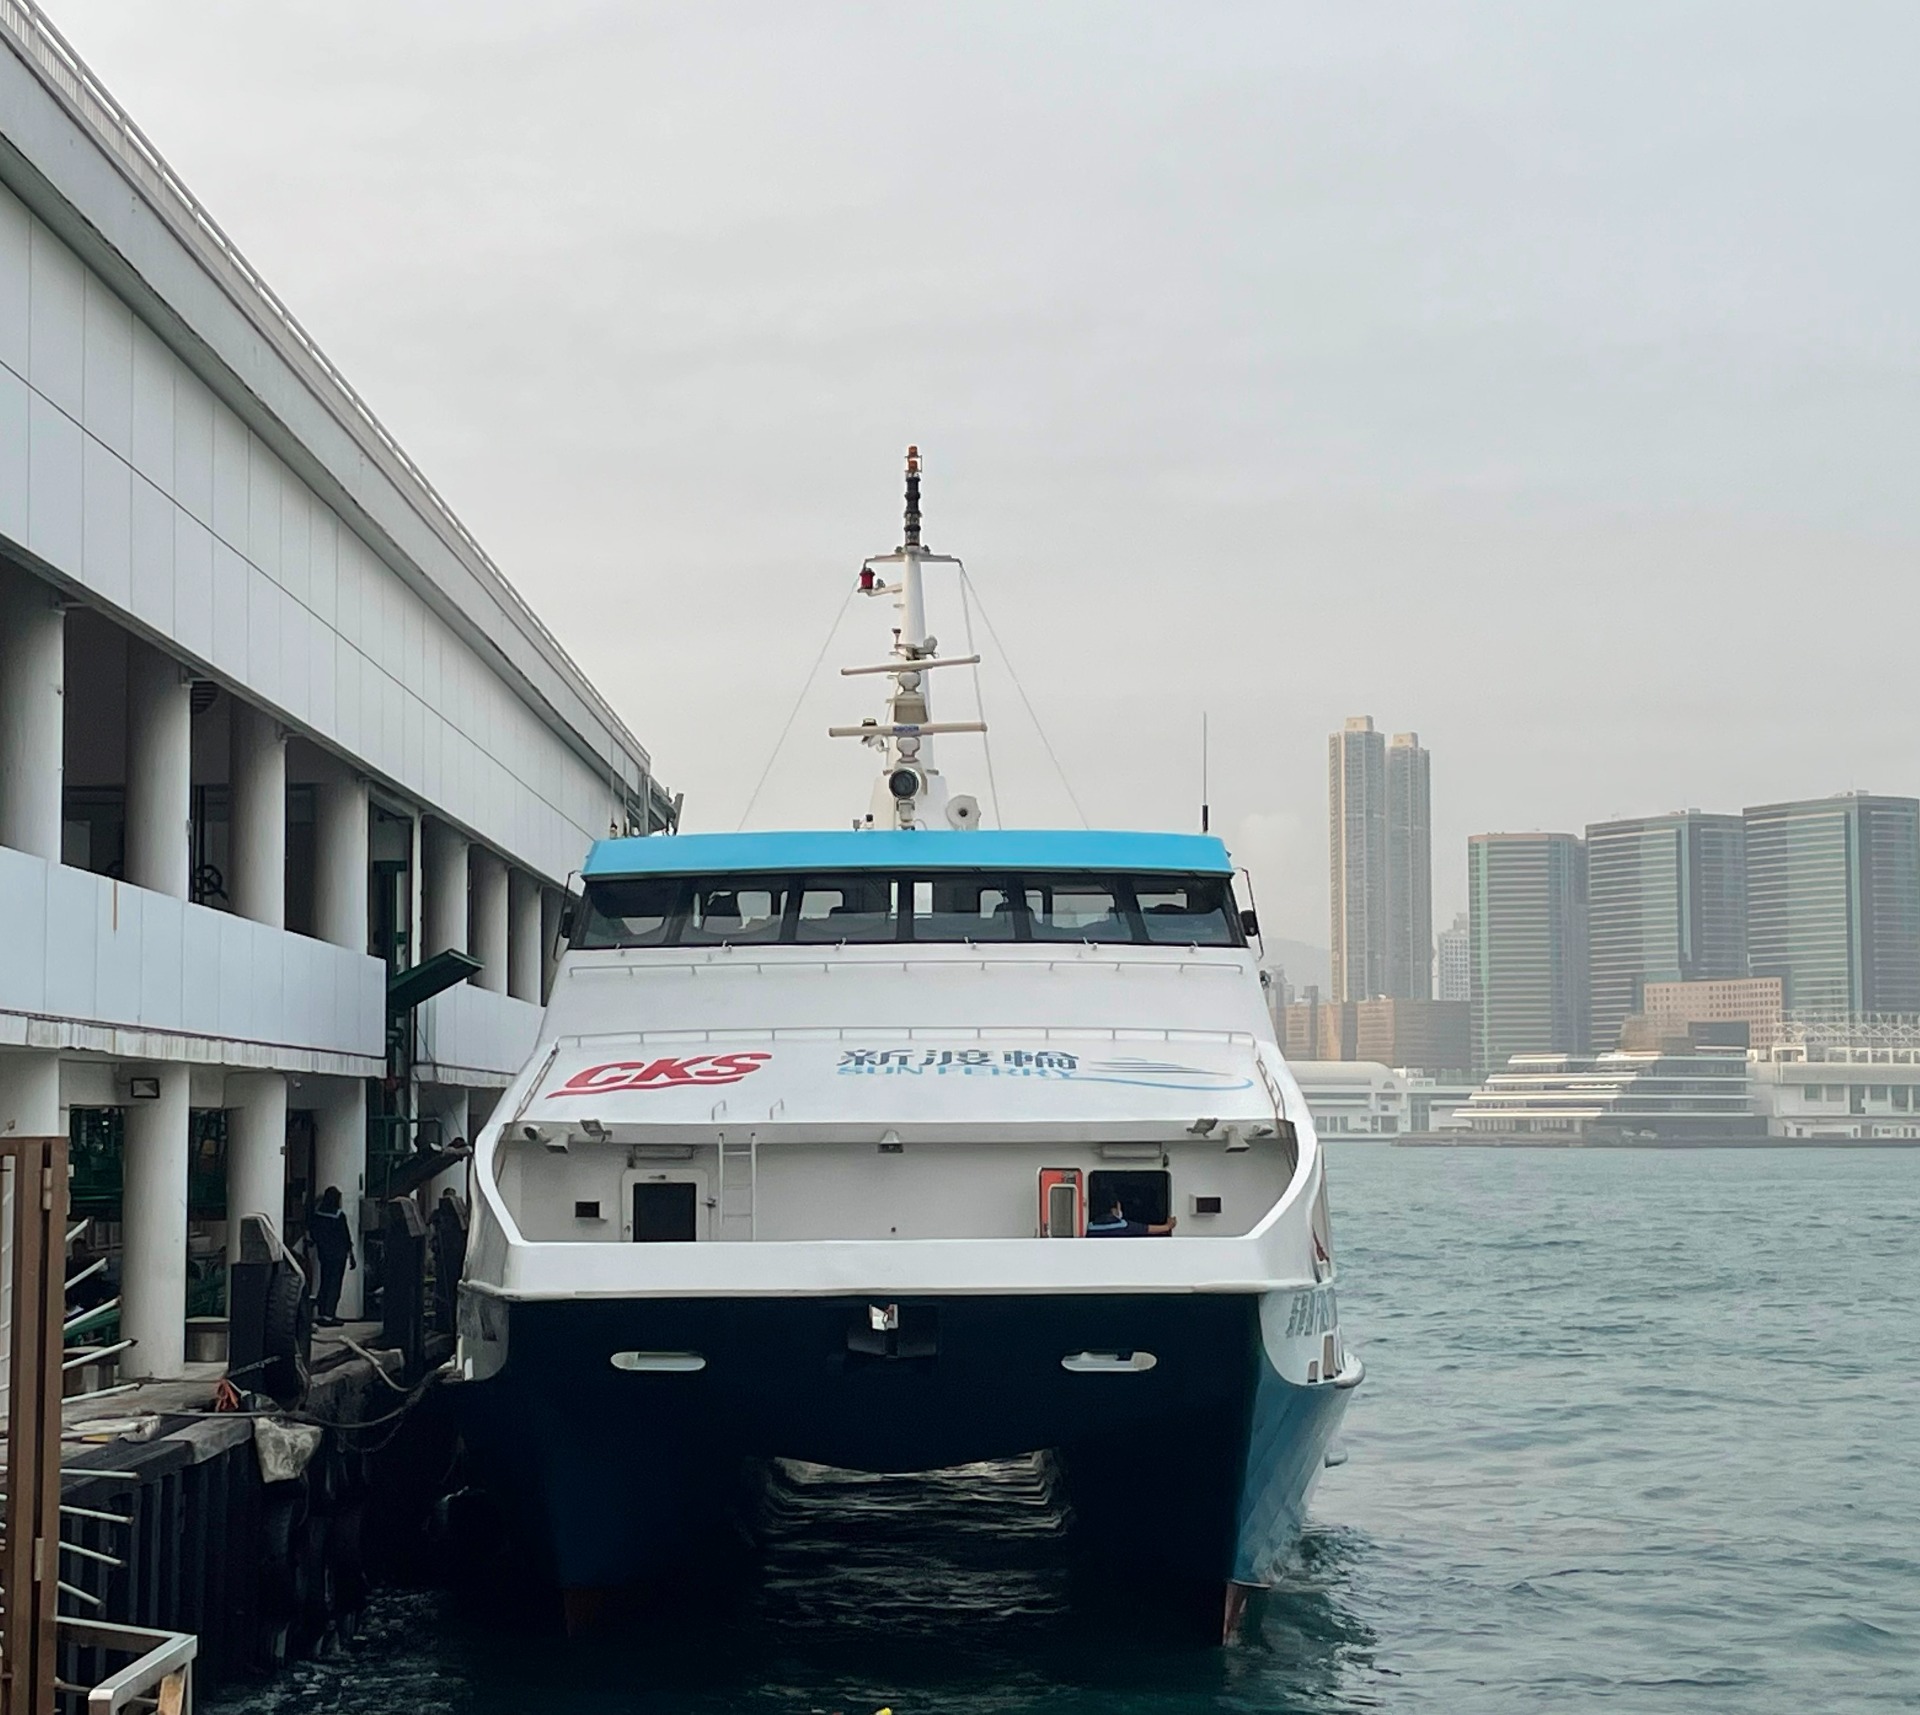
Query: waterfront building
x=1666 y=902
x=1380 y=857
x=1845 y=1079
x=1409 y=870
x=1684 y=1095
x=1454 y=961
x=274 y=732
x=1352 y=1098
x=1758 y=1003
x=1527 y=926
x=1436 y=1103
x=1833 y=902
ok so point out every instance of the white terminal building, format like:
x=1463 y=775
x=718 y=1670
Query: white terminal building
x=273 y=730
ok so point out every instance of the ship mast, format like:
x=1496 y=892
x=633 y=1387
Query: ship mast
x=910 y=792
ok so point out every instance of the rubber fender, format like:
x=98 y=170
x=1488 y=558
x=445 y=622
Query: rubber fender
x=289 y=1323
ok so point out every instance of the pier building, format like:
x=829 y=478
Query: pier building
x=274 y=730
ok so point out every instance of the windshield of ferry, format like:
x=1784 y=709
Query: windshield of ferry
x=737 y=910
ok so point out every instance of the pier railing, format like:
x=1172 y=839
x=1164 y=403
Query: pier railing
x=42 y=45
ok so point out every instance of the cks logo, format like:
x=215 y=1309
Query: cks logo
x=659 y=1074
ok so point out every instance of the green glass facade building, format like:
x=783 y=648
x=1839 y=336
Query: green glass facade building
x=1833 y=902
x=1527 y=932
x=1666 y=902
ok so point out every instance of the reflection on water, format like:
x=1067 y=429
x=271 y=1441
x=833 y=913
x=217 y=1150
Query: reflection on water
x=953 y=1590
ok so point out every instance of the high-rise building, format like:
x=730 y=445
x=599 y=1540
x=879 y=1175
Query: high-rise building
x=1527 y=964
x=1380 y=853
x=1409 y=870
x=1357 y=855
x=1666 y=902
x=1455 y=960
x=1833 y=902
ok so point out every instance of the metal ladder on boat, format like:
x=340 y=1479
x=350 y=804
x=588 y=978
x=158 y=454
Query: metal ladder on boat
x=739 y=1164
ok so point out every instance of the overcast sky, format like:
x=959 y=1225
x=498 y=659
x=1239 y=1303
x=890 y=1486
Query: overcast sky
x=1538 y=377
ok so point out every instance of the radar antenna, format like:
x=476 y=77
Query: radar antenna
x=910 y=792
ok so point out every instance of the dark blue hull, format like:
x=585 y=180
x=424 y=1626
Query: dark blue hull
x=1197 y=1468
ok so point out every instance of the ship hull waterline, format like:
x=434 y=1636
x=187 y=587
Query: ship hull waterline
x=1186 y=1454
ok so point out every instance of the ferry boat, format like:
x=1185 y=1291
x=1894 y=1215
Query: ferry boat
x=895 y=1148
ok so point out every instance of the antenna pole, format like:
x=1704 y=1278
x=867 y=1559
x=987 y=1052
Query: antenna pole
x=1206 y=813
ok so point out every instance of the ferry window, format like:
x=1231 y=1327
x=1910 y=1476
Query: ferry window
x=848 y=908
x=965 y=908
x=1078 y=908
x=629 y=913
x=1187 y=910
x=734 y=910
x=1146 y=1195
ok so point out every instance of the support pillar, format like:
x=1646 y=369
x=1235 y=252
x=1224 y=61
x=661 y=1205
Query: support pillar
x=256 y=1153
x=258 y=885
x=523 y=936
x=159 y=771
x=340 y=863
x=33 y=740
x=491 y=916
x=153 y=1258
x=340 y=1158
x=443 y=881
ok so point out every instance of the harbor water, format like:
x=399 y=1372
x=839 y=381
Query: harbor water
x=1641 y=1430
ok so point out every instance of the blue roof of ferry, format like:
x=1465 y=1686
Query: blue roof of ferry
x=980 y=848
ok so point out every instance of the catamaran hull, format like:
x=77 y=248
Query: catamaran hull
x=1185 y=1451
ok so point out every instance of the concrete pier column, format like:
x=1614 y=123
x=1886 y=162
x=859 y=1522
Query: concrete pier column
x=153 y=1258
x=490 y=919
x=340 y=862
x=33 y=674
x=443 y=885
x=159 y=771
x=523 y=936
x=258 y=884
x=256 y=1153
x=340 y=1158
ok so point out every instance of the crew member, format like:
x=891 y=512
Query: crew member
x=1115 y=1225
x=333 y=1246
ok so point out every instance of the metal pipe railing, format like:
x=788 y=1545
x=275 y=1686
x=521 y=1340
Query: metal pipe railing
x=49 y=52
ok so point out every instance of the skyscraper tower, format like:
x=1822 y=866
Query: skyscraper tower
x=1666 y=902
x=1357 y=854
x=1833 y=901
x=1409 y=870
x=1527 y=923
x=1455 y=954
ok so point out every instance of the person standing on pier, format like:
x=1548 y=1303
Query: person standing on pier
x=333 y=1246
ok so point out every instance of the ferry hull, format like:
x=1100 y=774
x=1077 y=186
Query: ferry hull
x=1197 y=1467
